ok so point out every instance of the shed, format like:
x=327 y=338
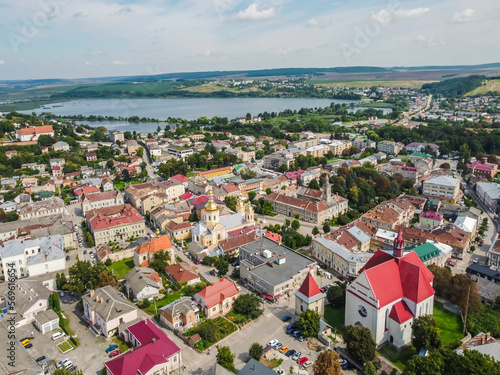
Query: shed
x=46 y=321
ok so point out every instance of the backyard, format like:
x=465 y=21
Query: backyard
x=211 y=331
x=122 y=267
x=450 y=325
x=397 y=357
x=335 y=316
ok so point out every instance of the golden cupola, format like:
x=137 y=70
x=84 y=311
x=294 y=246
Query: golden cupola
x=211 y=206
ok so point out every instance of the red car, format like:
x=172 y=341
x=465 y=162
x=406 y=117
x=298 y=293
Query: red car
x=114 y=353
x=196 y=262
x=303 y=360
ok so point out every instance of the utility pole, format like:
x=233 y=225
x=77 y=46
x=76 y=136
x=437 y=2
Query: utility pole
x=467 y=306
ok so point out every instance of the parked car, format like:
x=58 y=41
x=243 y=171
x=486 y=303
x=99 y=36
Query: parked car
x=30 y=345
x=287 y=318
x=25 y=342
x=212 y=272
x=196 y=262
x=111 y=348
x=62 y=361
x=296 y=334
x=67 y=257
x=40 y=359
x=303 y=360
x=307 y=364
x=284 y=349
x=72 y=368
x=84 y=252
x=302 y=338
x=272 y=342
x=342 y=361
x=278 y=346
x=296 y=356
x=476 y=260
x=290 y=353
x=114 y=353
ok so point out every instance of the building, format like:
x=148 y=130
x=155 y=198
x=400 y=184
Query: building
x=116 y=223
x=132 y=147
x=31 y=298
x=105 y=310
x=420 y=147
x=181 y=314
x=218 y=298
x=60 y=146
x=46 y=321
x=100 y=200
x=91 y=156
x=430 y=220
x=179 y=231
x=179 y=152
x=390 y=214
x=143 y=254
x=33 y=210
x=272 y=269
x=116 y=136
x=307 y=177
x=309 y=297
x=215 y=172
x=467 y=224
x=253 y=367
x=391 y=291
x=389 y=147
x=442 y=187
x=32 y=134
x=489 y=194
x=33 y=257
x=483 y=343
x=180 y=273
x=153 y=353
x=481 y=168
x=143 y=283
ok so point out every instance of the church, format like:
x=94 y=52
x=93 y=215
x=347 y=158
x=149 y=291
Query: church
x=213 y=229
x=390 y=292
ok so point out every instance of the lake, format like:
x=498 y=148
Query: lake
x=189 y=109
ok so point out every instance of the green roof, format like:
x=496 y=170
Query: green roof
x=424 y=155
x=426 y=251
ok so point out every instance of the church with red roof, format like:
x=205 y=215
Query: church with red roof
x=389 y=293
x=309 y=297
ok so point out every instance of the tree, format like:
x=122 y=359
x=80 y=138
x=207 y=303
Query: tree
x=222 y=267
x=269 y=191
x=225 y=358
x=360 y=343
x=314 y=184
x=140 y=152
x=425 y=333
x=326 y=228
x=256 y=351
x=295 y=224
x=248 y=305
x=105 y=278
x=45 y=140
x=161 y=259
x=336 y=295
x=445 y=166
x=327 y=363
x=369 y=369
x=315 y=231
x=252 y=195
x=55 y=302
x=308 y=323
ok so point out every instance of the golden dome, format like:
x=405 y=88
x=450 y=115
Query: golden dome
x=249 y=208
x=240 y=203
x=211 y=206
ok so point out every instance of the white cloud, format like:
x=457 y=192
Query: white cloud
x=118 y=62
x=412 y=13
x=2 y=62
x=467 y=15
x=253 y=13
x=430 y=41
x=312 y=22
x=383 y=16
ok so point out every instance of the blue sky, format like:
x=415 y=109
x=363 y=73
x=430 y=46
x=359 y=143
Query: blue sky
x=92 y=38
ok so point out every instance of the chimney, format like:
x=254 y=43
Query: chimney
x=92 y=292
x=145 y=321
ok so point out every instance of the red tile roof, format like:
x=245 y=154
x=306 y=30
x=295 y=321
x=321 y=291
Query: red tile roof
x=385 y=282
x=36 y=130
x=178 y=177
x=109 y=217
x=154 y=245
x=217 y=292
x=235 y=242
x=273 y=236
x=309 y=288
x=86 y=190
x=185 y=196
x=432 y=216
x=400 y=312
x=180 y=274
x=299 y=203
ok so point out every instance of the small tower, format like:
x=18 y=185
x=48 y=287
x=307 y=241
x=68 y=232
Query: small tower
x=309 y=297
x=327 y=190
x=240 y=206
x=399 y=245
x=157 y=232
x=211 y=216
x=249 y=214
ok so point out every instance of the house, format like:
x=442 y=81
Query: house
x=306 y=177
x=309 y=297
x=10 y=154
x=253 y=367
x=33 y=133
x=143 y=254
x=420 y=147
x=116 y=136
x=391 y=213
x=178 y=273
x=90 y=156
x=106 y=184
x=115 y=223
x=105 y=310
x=32 y=297
x=430 y=220
x=101 y=199
x=467 y=224
x=143 y=283
x=153 y=353
x=442 y=187
x=391 y=291
x=180 y=179
x=218 y=298
x=179 y=231
x=132 y=147
x=46 y=321
x=483 y=343
x=181 y=314
x=60 y=146
x=389 y=147
x=481 y=168
x=489 y=194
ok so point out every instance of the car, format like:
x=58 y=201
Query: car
x=278 y=346
x=322 y=290
x=296 y=333
x=476 y=260
x=72 y=368
x=68 y=364
x=481 y=242
x=302 y=338
x=296 y=355
x=30 y=345
x=67 y=257
x=307 y=364
x=287 y=318
x=84 y=252
x=61 y=362
x=91 y=252
x=114 y=353
x=25 y=342
x=290 y=328
x=196 y=262
x=57 y=335
x=302 y=360
x=212 y=272
x=238 y=287
x=290 y=353
x=272 y=342
x=284 y=349
x=342 y=361
x=111 y=348
x=40 y=359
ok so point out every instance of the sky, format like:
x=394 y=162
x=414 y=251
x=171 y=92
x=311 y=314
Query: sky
x=97 y=38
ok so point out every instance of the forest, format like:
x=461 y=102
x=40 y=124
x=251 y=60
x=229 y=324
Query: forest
x=455 y=86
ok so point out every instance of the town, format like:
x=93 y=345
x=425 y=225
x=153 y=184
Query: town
x=319 y=241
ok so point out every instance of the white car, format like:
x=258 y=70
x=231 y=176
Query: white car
x=272 y=342
x=62 y=362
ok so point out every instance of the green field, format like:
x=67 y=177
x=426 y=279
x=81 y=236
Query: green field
x=450 y=325
x=397 y=357
x=492 y=85
x=119 y=88
x=122 y=267
x=65 y=346
x=413 y=84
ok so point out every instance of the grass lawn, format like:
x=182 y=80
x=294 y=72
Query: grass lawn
x=449 y=324
x=65 y=346
x=164 y=301
x=397 y=357
x=119 y=185
x=122 y=267
x=191 y=174
x=335 y=316
x=121 y=345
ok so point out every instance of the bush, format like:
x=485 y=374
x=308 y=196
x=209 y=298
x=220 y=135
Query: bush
x=108 y=262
